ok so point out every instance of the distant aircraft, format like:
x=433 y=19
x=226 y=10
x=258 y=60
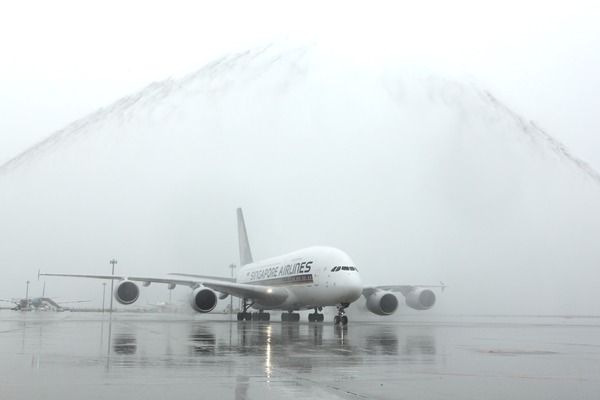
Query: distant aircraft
x=19 y=304
x=39 y=304
x=310 y=278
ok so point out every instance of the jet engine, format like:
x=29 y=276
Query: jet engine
x=126 y=292
x=420 y=299
x=382 y=303
x=203 y=300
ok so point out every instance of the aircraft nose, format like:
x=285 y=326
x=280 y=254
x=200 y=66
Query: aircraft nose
x=355 y=288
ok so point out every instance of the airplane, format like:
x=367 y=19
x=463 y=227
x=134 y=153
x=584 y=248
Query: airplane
x=39 y=304
x=42 y=303
x=20 y=304
x=311 y=278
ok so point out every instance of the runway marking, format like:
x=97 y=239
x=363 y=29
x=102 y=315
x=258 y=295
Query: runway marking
x=525 y=377
x=514 y=352
x=331 y=387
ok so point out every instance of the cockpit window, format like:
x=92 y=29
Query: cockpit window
x=336 y=269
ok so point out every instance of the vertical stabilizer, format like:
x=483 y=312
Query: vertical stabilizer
x=245 y=253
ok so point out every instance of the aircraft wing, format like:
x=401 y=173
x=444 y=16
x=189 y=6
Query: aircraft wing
x=263 y=294
x=215 y=278
x=146 y=280
x=404 y=289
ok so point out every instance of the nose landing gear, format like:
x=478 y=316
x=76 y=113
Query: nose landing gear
x=341 y=318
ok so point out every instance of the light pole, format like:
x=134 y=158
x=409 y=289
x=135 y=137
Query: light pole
x=27 y=295
x=232 y=267
x=103 y=295
x=112 y=283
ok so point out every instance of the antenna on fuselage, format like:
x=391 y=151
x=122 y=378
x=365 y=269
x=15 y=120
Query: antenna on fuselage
x=245 y=253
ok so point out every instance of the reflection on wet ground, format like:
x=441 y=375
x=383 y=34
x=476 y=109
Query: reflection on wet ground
x=152 y=356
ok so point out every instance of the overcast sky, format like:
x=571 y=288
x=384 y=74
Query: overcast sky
x=64 y=59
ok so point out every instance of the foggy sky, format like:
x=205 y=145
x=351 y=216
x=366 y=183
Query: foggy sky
x=420 y=176
x=403 y=162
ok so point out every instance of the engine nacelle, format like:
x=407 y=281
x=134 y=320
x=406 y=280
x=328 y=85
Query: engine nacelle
x=203 y=300
x=420 y=299
x=382 y=303
x=126 y=292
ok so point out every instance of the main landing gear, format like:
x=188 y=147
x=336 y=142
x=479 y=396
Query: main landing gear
x=261 y=316
x=341 y=318
x=290 y=317
x=257 y=316
x=316 y=317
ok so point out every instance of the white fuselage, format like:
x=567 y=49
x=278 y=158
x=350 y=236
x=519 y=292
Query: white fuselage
x=310 y=276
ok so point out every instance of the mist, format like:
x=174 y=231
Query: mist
x=419 y=174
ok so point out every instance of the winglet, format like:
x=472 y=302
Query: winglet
x=245 y=253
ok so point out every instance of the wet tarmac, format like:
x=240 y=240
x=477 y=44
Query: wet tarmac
x=158 y=356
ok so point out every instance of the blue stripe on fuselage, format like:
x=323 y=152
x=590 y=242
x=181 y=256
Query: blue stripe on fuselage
x=284 y=280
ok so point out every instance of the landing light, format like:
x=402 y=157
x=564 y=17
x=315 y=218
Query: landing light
x=269 y=290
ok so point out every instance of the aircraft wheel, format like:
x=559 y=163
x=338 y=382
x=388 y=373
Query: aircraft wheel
x=284 y=317
x=336 y=320
x=240 y=316
x=320 y=318
x=344 y=320
x=311 y=317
